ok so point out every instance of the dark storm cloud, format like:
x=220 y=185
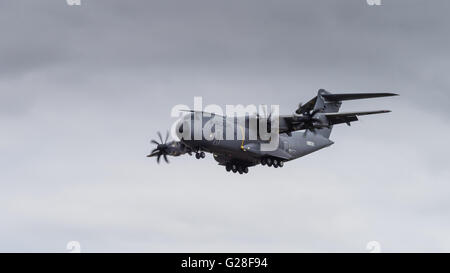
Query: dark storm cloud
x=82 y=89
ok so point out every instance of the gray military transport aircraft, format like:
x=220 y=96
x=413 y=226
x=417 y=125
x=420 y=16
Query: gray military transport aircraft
x=305 y=131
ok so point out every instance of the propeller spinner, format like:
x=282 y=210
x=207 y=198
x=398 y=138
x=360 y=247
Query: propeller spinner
x=161 y=148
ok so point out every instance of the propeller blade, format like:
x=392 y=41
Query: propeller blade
x=154 y=142
x=158 y=158
x=162 y=149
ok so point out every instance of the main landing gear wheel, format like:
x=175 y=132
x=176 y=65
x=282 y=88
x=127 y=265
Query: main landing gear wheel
x=236 y=168
x=200 y=155
x=272 y=162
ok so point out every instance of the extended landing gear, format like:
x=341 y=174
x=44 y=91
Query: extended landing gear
x=242 y=170
x=272 y=162
x=236 y=168
x=200 y=155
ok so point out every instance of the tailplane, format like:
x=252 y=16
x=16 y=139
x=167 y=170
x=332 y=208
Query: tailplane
x=327 y=106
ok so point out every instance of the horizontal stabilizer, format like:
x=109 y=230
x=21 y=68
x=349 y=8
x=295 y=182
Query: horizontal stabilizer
x=347 y=117
x=344 y=114
x=355 y=96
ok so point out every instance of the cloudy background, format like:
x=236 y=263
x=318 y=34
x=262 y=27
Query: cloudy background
x=84 y=89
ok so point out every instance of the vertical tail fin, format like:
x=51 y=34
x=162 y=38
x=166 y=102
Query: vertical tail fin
x=326 y=106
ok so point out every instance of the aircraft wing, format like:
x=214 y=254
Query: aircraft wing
x=199 y=112
x=347 y=117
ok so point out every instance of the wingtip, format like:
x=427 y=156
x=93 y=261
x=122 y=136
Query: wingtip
x=388 y=94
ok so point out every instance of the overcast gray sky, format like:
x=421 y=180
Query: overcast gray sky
x=84 y=89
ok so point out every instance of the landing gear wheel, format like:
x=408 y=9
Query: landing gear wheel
x=246 y=170
x=281 y=164
x=197 y=155
x=263 y=161
x=275 y=163
x=240 y=170
x=202 y=155
x=234 y=168
x=228 y=168
x=269 y=162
